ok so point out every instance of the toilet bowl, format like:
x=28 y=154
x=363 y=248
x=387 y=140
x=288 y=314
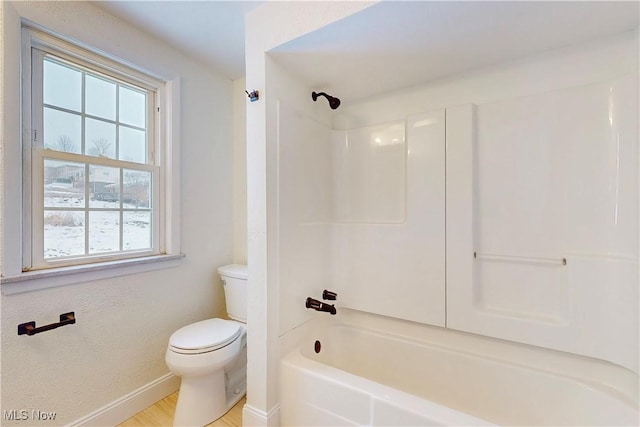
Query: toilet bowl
x=210 y=356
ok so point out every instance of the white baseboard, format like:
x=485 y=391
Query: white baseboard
x=127 y=406
x=252 y=416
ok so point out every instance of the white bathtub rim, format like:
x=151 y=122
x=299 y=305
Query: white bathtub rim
x=606 y=377
x=382 y=393
x=621 y=392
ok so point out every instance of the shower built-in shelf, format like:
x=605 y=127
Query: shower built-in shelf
x=519 y=259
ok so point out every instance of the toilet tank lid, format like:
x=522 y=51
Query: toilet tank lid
x=238 y=271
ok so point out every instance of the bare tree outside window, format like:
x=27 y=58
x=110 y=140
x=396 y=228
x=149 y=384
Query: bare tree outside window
x=66 y=144
x=101 y=147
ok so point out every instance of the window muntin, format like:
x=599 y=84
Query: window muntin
x=95 y=179
x=114 y=115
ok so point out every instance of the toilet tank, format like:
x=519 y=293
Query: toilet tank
x=234 y=280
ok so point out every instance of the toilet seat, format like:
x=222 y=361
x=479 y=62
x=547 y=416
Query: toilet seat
x=204 y=336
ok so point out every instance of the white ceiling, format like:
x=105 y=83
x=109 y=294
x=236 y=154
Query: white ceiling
x=211 y=31
x=389 y=45
x=394 y=45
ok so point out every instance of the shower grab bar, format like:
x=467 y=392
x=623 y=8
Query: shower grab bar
x=29 y=328
x=515 y=258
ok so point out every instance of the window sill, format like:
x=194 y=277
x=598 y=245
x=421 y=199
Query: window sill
x=51 y=278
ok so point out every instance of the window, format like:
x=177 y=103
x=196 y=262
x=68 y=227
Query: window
x=94 y=176
x=97 y=186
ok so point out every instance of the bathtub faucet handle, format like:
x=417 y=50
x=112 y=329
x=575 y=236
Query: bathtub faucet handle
x=319 y=306
x=329 y=295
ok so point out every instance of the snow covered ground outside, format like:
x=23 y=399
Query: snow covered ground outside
x=64 y=230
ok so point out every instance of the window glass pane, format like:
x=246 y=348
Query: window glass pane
x=100 y=138
x=136 y=230
x=133 y=145
x=63 y=233
x=133 y=107
x=62 y=86
x=104 y=232
x=100 y=97
x=100 y=202
x=136 y=189
x=104 y=187
x=63 y=184
x=62 y=131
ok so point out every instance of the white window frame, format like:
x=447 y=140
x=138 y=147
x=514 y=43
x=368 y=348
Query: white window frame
x=35 y=273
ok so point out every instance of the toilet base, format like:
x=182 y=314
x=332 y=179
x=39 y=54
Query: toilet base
x=201 y=400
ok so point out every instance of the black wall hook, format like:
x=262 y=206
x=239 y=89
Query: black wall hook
x=253 y=96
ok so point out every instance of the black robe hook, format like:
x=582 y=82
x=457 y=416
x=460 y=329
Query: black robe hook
x=253 y=96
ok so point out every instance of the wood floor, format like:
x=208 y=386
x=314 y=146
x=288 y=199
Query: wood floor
x=161 y=414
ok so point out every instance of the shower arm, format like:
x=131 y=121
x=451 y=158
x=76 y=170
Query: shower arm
x=333 y=101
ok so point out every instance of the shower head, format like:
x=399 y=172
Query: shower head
x=333 y=102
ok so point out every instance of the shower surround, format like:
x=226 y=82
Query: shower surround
x=500 y=202
x=513 y=215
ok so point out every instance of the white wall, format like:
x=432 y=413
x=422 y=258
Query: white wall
x=553 y=218
x=123 y=324
x=264 y=30
x=388 y=253
x=548 y=169
x=240 y=101
x=303 y=200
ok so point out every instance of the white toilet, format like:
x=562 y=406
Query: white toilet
x=211 y=357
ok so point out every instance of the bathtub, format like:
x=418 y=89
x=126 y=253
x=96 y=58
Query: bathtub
x=377 y=371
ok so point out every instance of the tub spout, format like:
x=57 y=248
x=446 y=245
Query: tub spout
x=320 y=306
